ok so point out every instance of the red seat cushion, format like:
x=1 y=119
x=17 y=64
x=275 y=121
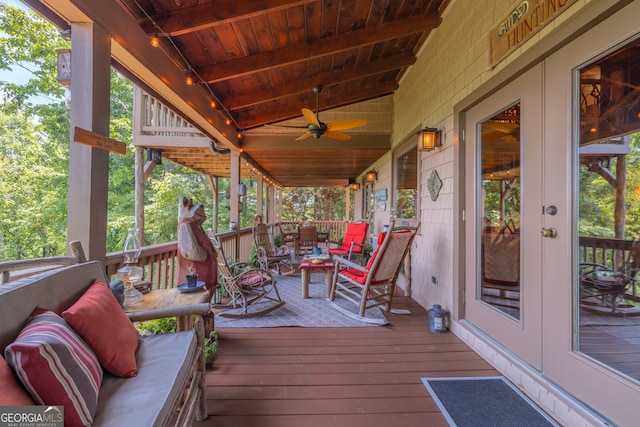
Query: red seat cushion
x=355 y=275
x=357 y=233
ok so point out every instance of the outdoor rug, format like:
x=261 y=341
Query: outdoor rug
x=313 y=312
x=485 y=401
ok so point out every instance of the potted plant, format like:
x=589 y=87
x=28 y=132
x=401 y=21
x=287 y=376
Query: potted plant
x=210 y=347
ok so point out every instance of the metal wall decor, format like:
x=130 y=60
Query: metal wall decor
x=434 y=184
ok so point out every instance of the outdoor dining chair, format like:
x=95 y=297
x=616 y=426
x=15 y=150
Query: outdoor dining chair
x=252 y=291
x=268 y=255
x=307 y=238
x=373 y=285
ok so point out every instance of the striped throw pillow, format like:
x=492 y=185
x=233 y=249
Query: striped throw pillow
x=56 y=367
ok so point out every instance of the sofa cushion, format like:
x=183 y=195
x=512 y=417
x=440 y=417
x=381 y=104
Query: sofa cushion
x=100 y=321
x=56 y=366
x=164 y=365
x=12 y=393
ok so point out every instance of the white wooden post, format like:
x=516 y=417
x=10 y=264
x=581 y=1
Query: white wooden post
x=234 y=215
x=260 y=198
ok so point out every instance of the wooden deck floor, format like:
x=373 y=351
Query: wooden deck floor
x=335 y=376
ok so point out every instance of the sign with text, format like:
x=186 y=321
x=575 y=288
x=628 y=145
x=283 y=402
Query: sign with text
x=528 y=17
x=32 y=416
x=96 y=140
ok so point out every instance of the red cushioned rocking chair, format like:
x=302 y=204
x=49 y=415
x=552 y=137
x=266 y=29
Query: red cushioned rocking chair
x=352 y=244
x=373 y=285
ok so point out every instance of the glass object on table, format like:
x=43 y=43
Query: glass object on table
x=130 y=272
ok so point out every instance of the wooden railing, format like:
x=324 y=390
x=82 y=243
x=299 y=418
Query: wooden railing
x=613 y=254
x=160 y=262
x=335 y=229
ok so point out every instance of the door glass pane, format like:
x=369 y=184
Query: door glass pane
x=607 y=290
x=499 y=238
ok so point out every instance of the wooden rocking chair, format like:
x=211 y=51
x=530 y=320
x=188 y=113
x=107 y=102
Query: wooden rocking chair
x=352 y=245
x=374 y=284
x=268 y=255
x=252 y=292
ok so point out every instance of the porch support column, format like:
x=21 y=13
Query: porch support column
x=213 y=184
x=139 y=191
x=347 y=198
x=260 y=197
x=270 y=203
x=279 y=210
x=89 y=167
x=234 y=181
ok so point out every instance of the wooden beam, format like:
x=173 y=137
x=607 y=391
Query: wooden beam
x=287 y=143
x=251 y=118
x=313 y=49
x=331 y=78
x=188 y=19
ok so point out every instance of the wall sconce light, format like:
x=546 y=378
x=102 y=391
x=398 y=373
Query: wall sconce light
x=372 y=176
x=429 y=139
x=355 y=186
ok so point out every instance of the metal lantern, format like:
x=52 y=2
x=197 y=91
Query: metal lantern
x=437 y=319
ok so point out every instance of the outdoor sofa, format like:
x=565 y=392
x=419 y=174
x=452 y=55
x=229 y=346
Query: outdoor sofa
x=166 y=386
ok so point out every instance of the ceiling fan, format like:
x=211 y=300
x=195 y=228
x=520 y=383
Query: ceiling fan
x=330 y=130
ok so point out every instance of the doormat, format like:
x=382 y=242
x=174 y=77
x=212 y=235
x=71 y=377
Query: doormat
x=485 y=401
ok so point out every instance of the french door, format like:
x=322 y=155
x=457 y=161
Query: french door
x=503 y=211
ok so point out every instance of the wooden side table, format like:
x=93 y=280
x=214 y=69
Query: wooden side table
x=307 y=267
x=159 y=299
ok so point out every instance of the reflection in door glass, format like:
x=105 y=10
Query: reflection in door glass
x=500 y=206
x=607 y=290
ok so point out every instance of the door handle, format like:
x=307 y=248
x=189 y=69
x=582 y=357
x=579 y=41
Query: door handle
x=549 y=232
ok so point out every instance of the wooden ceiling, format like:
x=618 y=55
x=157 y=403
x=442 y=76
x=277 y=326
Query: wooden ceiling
x=259 y=60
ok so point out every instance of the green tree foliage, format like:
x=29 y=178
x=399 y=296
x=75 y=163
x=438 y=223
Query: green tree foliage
x=307 y=203
x=33 y=162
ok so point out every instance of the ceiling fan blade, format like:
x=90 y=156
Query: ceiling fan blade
x=303 y=136
x=346 y=124
x=311 y=118
x=337 y=135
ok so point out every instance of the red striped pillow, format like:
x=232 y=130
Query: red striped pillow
x=57 y=367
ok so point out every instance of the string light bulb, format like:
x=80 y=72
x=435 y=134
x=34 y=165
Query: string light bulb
x=213 y=104
x=189 y=79
x=155 y=41
x=228 y=122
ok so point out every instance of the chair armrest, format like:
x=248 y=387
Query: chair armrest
x=340 y=261
x=185 y=310
x=283 y=250
x=355 y=244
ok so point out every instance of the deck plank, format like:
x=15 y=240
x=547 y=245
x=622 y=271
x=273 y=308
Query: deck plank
x=351 y=377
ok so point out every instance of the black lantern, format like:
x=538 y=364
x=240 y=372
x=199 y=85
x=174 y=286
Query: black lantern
x=437 y=319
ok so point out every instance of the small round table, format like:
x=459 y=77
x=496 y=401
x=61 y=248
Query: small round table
x=307 y=267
